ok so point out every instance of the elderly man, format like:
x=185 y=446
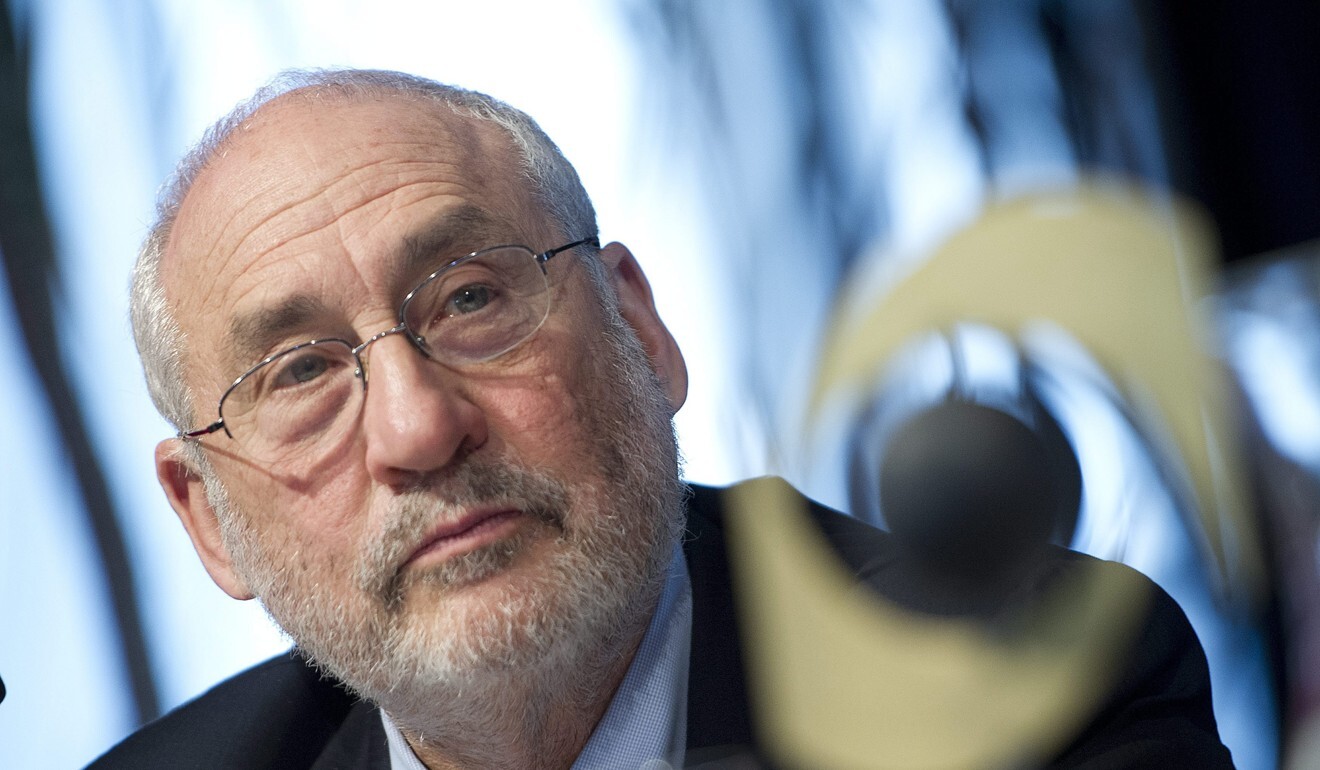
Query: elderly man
x=442 y=456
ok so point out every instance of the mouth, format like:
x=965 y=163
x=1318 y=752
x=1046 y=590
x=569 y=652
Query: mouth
x=474 y=530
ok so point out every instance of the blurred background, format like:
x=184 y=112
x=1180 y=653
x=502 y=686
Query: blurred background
x=763 y=159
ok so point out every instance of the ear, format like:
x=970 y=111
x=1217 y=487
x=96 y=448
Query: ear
x=637 y=307
x=187 y=495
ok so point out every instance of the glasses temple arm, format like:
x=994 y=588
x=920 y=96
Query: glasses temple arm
x=545 y=256
x=208 y=430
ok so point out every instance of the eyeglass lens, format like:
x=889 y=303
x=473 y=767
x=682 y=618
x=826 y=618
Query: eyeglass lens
x=479 y=307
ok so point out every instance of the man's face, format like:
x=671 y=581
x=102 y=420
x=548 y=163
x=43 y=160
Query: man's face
x=479 y=518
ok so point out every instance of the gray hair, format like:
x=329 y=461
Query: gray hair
x=160 y=340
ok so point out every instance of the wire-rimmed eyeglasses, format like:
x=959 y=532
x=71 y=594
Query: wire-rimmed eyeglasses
x=307 y=397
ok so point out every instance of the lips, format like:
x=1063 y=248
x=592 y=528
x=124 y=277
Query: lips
x=472 y=531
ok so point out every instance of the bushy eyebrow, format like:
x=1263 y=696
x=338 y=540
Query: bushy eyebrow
x=453 y=234
x=252 y=335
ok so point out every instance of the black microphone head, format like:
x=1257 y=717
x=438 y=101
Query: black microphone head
x=972 y=496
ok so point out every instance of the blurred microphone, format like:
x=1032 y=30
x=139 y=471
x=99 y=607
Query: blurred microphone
x=973 y=496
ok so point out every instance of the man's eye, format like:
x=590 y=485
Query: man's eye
x=469 y=299
x=301 y=369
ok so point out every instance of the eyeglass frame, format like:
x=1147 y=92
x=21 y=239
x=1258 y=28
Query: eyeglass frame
x=399 y=328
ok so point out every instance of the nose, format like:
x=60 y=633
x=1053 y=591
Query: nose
x=416 y=418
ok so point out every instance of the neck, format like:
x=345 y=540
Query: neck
x=520 y=719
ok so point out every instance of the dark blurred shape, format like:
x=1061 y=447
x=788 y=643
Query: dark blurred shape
x=2 y=690
x=973 y=495
x=1241 y=114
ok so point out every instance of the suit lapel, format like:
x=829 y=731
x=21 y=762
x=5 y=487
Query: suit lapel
x=717 y=712
x=359 y=743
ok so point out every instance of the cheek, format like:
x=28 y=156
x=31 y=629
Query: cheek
x=538 y=389
x=539 y=419
x=324 y=520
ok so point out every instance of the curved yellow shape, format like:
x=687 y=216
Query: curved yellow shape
x=1122 y=271
x=841 y=679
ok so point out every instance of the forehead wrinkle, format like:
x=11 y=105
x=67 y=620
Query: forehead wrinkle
x=332 y=214
x=334 y=217
x=279 y=168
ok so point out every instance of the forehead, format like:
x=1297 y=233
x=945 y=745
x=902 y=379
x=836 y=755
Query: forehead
x=320 y=195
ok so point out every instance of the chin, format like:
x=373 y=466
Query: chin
x=508 y=618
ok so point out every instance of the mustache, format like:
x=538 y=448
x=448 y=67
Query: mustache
x=447 y=496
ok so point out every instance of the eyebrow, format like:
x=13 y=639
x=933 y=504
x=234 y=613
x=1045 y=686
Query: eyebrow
x=251 y=335
x=453 y=234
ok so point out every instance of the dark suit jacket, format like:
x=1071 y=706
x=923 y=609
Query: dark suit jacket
x=283 y=714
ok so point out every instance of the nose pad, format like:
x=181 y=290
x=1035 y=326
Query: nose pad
x=360 y=352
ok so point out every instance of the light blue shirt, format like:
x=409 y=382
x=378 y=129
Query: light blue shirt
x=645 y=725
